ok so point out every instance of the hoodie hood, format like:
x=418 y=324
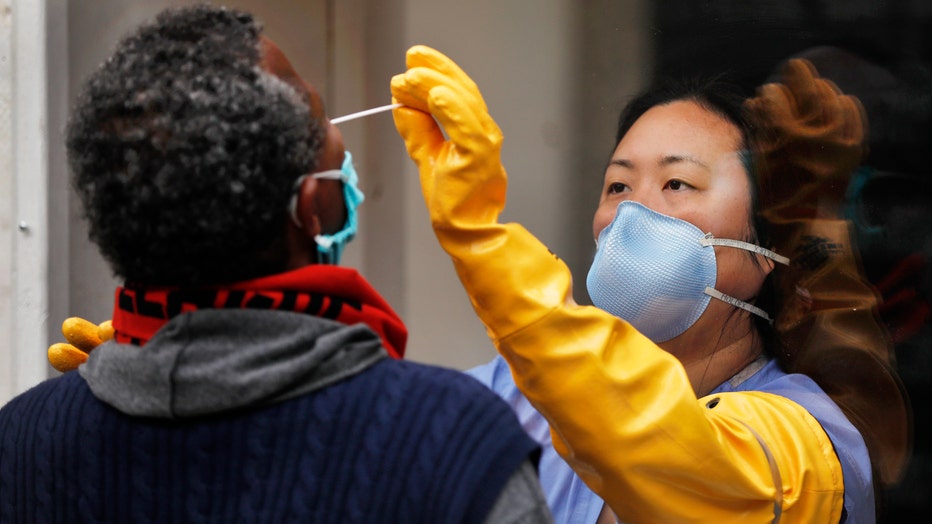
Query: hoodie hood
x=216 y=360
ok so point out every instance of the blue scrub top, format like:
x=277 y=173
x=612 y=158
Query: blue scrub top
x=570 y=500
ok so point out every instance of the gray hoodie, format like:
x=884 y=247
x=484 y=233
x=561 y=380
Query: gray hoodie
x=214 y=360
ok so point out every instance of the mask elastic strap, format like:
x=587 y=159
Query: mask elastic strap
x=330 y=174
x=710 y=240
x=323 y=249
x=728 y=299
x=293 y=202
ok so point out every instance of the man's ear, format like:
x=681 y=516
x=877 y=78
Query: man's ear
x=305 y=213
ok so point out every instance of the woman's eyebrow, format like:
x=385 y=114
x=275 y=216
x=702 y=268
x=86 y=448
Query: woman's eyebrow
x=677 y=159
x=664 y=161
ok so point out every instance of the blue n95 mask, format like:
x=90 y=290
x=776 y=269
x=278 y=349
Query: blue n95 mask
x=330 y=247
x=658 y=272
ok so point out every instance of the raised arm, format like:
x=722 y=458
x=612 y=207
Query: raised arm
x=622 y=410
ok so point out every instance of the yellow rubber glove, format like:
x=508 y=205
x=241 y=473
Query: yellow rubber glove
x=622 y=411
x=812 y=139
x=464 y=185
x=82 y=337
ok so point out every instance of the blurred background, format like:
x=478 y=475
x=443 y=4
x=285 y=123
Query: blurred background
x=554 y=73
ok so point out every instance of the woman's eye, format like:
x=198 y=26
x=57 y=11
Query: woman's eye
x=677 y=185
x=616 y=187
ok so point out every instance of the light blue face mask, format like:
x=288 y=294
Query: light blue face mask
x=330 y=247
x=658 y=272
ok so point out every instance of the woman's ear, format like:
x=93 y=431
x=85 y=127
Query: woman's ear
x=768 y=264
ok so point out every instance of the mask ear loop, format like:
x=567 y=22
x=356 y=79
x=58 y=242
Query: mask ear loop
x=330 y=174
x=709 y=240
x=293 y=201
x=728 y=299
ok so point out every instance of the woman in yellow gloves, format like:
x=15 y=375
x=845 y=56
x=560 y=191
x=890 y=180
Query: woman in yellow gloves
x=666 y=399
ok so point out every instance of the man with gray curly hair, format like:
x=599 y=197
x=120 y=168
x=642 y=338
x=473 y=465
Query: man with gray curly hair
x=249 y=377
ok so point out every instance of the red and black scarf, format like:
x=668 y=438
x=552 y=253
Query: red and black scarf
x=332 y=292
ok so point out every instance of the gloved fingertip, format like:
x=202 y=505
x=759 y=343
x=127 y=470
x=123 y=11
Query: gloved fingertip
x=419 y=54
x=65 y=357
x=397 y=87
x=414 y=54
x=406 y=90
x=81 y=333
x=778 y=94
x=416 y=49
x=105 y=330
x=801 y=66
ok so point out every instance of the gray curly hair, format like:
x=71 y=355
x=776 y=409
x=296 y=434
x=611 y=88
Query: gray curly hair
x=184 y=151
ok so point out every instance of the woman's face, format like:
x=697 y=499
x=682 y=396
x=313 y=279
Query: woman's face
x=682 y=160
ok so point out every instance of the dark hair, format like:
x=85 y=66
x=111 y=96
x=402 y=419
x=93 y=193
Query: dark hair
x=717 y=95
x=184 y=151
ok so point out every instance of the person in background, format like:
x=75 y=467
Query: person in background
x=250 y=378
x=673 y=398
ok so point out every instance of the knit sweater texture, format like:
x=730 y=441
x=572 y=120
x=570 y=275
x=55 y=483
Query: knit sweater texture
x=394 y=442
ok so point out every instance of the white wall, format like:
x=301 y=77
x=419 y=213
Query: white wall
x=23 y=190
x=553 y=72
x=523 y=60
x=7 y=364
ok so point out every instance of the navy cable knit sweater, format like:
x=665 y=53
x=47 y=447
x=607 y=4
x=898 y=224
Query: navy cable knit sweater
x=398 y=442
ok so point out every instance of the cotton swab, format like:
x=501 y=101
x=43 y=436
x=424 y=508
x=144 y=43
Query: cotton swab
x=360 y=114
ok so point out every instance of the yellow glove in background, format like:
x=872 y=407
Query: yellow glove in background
x=811 y=138
x=82 y=336
x=827 y=317
x=622 y=410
